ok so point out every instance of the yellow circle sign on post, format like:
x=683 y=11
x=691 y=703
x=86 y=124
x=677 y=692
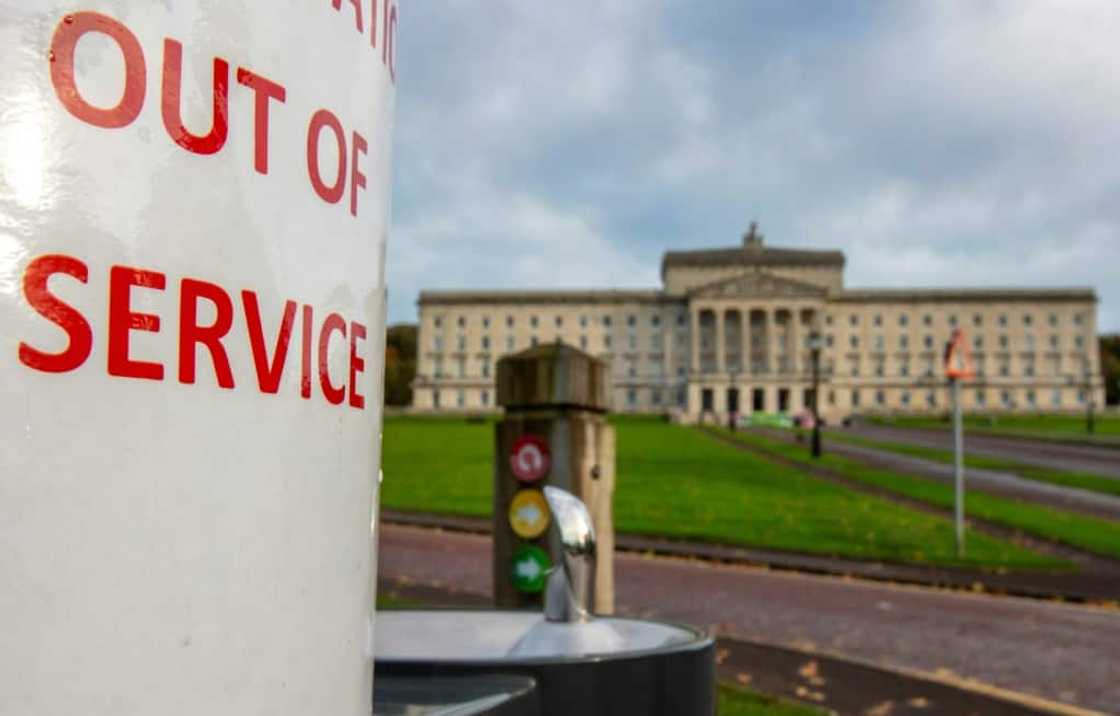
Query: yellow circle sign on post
x=528 y=514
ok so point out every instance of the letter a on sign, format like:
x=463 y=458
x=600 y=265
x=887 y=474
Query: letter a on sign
x=529 y=458
x=958 y=357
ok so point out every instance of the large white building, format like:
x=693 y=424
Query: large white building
x=728 y=332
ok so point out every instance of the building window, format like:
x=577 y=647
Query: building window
x=953 y=319
x=1030 y=398
x=1003 y=342
x=437 y=321
x=680 y=319
x=559 y=321
x=532 y=321
x=486 y=368
x=462 y=321
x=879 y=369
x=855 y=398
x=1078 y=319
x=981 y=398
x=486 y=343
x=583 y=343
x=606 y=320
x=904 y=369
x=462 y=367
x=828 y=320
x=655 y=342
x=931 y=399
x=928 y=342
x=1005 y=398
x=828 y=340
x=903 y=320
x=633 y=342
x=853 y=341
x=1056 y=398
x=655 y=397
x=878 y=319
x=607 y=342
x=904 y=342
x=880 y=397
x=978 y=342
x=509 y=343
x=906 y=398
x=460 y=399
x=1003 y=319
x=583 y=321
x=509 y=321
x=880 y=342
x=977 y=319
x=437 y=367
x=462 y=343
x=832 y=397
x=486 y=321
x=1079 y=341
x=533 y=341
x=655 y=321
x=927 y=320
x=632 y=369
x=1053 y=341
x=486 y=397
x=1027 y=319
x=631 y=320
x=437 y=344
x=1004 y=368
x=855 y=366
x=853 y=319
x=632 y=397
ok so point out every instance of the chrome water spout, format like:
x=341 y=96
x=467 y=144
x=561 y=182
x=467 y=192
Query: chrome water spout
x=571 y=582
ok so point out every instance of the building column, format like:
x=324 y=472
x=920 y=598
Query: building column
x=772 y=341
x=721 y=344
x=795 y=341
x=694 y=338
x=745 y=337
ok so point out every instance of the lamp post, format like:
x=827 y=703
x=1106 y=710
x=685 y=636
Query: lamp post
x=815 y=342
x=1090 y=427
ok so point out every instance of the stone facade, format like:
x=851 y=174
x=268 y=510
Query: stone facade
x=729 y=331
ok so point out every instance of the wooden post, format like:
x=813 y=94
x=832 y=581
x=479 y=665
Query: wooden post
x=556 y=397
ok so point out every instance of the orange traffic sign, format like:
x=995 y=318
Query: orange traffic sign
x=958 y=357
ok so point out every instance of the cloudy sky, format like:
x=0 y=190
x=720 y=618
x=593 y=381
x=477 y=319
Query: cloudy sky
x=568 y=144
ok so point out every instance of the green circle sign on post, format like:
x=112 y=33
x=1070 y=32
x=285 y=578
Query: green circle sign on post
x=528 y=568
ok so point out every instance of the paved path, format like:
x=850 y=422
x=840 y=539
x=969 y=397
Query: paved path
x=1062 y=652
x=997 y=483
x=1063 y=456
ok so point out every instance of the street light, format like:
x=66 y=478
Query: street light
x=815 y=343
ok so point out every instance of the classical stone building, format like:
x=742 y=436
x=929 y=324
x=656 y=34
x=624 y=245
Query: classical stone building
x=729 y=332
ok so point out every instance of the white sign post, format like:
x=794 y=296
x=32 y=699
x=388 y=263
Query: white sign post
x=958 y=366
x=193 y=213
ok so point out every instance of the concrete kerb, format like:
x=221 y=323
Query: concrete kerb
x=840 y=684
x=957 y=580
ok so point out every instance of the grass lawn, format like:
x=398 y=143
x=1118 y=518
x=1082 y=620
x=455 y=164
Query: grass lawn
x=1107 y=426
x=1092 y=534
x=1082 y=480
x=679 y=482
x=737 y=701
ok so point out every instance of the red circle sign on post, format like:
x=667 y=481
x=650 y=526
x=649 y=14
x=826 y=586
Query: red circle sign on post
x=529 y=458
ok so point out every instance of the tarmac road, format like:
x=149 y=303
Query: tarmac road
x=1063 y=456
x=1057 y=651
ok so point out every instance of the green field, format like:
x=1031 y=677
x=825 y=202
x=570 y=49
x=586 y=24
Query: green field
x=679 y=482
x=1089 y=533
x=1107 y=425
x=1066 y=478
x=737 y=701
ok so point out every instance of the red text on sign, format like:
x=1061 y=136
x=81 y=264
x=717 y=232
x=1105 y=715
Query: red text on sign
x=194 y=338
